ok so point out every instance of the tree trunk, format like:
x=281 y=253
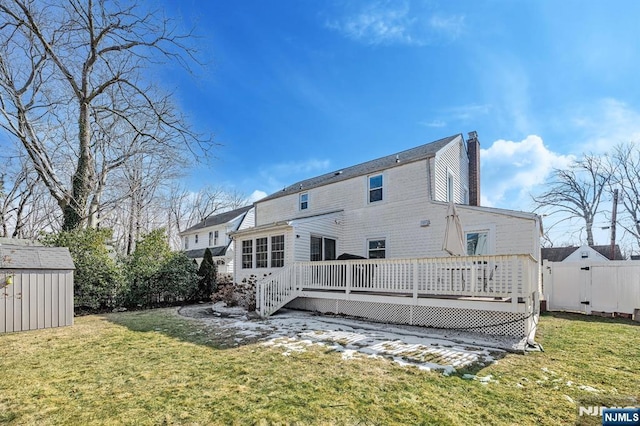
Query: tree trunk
x=74 y=213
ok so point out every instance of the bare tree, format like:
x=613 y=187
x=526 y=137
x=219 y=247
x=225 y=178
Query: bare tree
x=25 y=210
x=185 y=208
x=577 y=191
x=70 y=68
x=626 y=176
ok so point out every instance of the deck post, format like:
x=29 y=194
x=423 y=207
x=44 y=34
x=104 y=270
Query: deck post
x=261 y=297
x=415 y=281
x=348 y=272
x=514 y=282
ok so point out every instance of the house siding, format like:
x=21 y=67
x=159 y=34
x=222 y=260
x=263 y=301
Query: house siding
x=452 y=159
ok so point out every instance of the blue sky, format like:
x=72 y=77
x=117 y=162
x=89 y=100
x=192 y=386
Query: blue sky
x=298 y=88
x=295 y=88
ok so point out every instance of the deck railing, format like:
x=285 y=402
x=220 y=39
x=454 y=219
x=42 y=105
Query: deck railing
x=503 y=276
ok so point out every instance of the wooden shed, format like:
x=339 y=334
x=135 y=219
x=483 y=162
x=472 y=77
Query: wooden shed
x=36 y=287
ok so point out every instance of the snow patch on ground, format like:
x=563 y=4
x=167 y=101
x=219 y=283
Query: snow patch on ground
x=295 y=331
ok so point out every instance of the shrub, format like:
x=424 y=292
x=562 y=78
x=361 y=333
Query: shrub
x=98 y=281
x=155 y=275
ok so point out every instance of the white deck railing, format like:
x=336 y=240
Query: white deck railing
x=504 y=276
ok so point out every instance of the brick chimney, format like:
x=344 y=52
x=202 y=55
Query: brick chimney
x=473 y=152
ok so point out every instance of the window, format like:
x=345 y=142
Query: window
x=329 y=249
x=377 y=249
x=322 y=249
x=262 y=253
x=450 y=186
x=215 y=238
x=247 y=254
x=277 y=251
x=304 y=201
x=210 y=239
x=477 y=243
x=186 y=242
x=316 y=249
x=196 y=239
x=375 y=188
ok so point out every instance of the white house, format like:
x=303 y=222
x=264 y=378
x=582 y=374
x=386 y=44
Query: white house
x=393 y=211
x=213 y=233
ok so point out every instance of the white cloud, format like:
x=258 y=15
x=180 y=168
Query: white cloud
x=256 y=195
x=434 y=123
x=452 y=25
x=399 y=22
x=605 y=124
x=510 y=170
x=277 y=176
x=298 y=167
x=462 y=114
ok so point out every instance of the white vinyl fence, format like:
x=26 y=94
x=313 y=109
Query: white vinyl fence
x=36 y=288
x=589 y=287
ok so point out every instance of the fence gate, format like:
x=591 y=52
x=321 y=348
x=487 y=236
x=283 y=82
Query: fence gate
x=608 y=287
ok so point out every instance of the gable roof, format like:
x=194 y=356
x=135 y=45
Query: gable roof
x=33 y=257
x=408 y=156
x=558 y=254
x=218 y=219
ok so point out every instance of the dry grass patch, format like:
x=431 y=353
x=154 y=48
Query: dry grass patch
x=154 y=367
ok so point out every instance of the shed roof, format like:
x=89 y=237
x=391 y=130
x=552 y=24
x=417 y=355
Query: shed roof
x=411 y=155
x=31 y=257
x=218 y=219
x=558 y=254
x=4 y=241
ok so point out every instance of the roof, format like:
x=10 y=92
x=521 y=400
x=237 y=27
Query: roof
x=4 y=241
x=411 y=155
x=198 y=253
x=558 y=254
x=218 y=219
x=30 y=257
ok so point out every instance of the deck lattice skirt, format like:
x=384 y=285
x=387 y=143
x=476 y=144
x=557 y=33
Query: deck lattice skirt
x=490 y=322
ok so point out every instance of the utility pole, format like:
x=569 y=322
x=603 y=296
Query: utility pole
x=614 y=213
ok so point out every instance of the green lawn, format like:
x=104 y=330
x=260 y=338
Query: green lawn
x=155 y=367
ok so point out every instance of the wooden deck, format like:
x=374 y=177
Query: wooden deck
x=480 y=286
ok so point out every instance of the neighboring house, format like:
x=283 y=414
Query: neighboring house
x=213 y=233
x=394 y=207
x=581 y=254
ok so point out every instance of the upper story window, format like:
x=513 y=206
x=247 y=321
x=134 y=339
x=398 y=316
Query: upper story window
x=210 y=239
x=377 y=248
x=277 y=251
x=375 y=188
x=215 y=238
x=262 y=253
x=186 y=242
x=247 y=254
x=304 y=201
x=196 y=239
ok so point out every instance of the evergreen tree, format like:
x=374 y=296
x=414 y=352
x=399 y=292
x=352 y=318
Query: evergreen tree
x=208 y=273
